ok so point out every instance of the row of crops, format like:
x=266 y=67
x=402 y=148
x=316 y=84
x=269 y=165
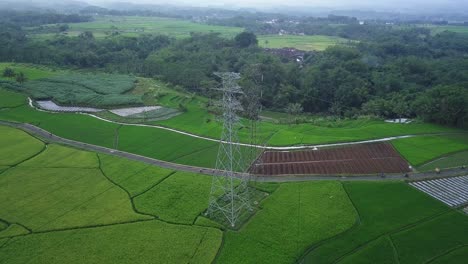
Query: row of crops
x=80 y=89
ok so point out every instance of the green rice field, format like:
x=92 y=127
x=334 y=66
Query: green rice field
x=197 y=119
x=447 y=161
x=32 y=72
x=62 y=205
x=456 y=29
x=152 y=142
x=131 y=26
x=424 y=149
x=306 y=43
x=393 y=217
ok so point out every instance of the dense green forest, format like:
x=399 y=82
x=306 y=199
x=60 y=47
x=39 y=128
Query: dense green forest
x=389 y=73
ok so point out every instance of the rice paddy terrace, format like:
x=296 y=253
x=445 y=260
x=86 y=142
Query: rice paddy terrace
x=60 y=204
x=155 y=119
x=63 y=204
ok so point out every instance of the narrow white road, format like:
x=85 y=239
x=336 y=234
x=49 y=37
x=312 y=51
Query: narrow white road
x=286 y=148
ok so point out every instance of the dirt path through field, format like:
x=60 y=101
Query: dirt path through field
x=286 y=148
x=41 y=133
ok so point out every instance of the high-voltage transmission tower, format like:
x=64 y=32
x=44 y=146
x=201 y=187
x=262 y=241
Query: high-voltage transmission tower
x=229 y=196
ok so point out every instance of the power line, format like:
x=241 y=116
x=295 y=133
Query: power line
x=229 y=195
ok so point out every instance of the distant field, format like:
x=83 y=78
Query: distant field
x=32 y=72
x=307 y=43
x=457 y=29
x=104 y=26
x=73 y=87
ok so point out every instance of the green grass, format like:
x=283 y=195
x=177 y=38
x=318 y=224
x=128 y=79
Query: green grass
x=85 y=217
x=61 y=187
x=43 y=197
x=70 y=87
x=379 y=251
x=133 y=26
x=3 y=225
x=17 y=146
x=293 y=217
x=135 y=177
x=3 y=168
x=180 y=198
x=458 y=255
x=56 y=156
x=99 y=89
x=449 y=161
x=143 y=242
x=419 y=150
x=73 y=126
x=13 y=230
x=348 y=130
x=101 y=83
x=152 y=142
x=203 y=221
x=31 y=71
x=440 y=235
x=383 y=207
x=47 y=199
x=11 y=99
x=306 y=43
x=199 y=121
x=438 y=29
x=165 y=145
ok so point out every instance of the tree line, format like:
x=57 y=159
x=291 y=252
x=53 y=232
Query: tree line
x=409 y=72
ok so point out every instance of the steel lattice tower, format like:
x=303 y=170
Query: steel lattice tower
x=229 y=194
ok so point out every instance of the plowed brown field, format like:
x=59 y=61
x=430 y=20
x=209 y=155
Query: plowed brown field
x=356 y=159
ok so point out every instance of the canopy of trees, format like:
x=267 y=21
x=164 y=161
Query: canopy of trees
x=392 y=74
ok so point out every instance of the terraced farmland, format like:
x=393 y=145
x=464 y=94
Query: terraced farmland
x=137 y=25
x=62 y=205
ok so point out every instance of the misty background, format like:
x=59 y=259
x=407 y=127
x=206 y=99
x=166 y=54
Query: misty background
x=292 y=7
